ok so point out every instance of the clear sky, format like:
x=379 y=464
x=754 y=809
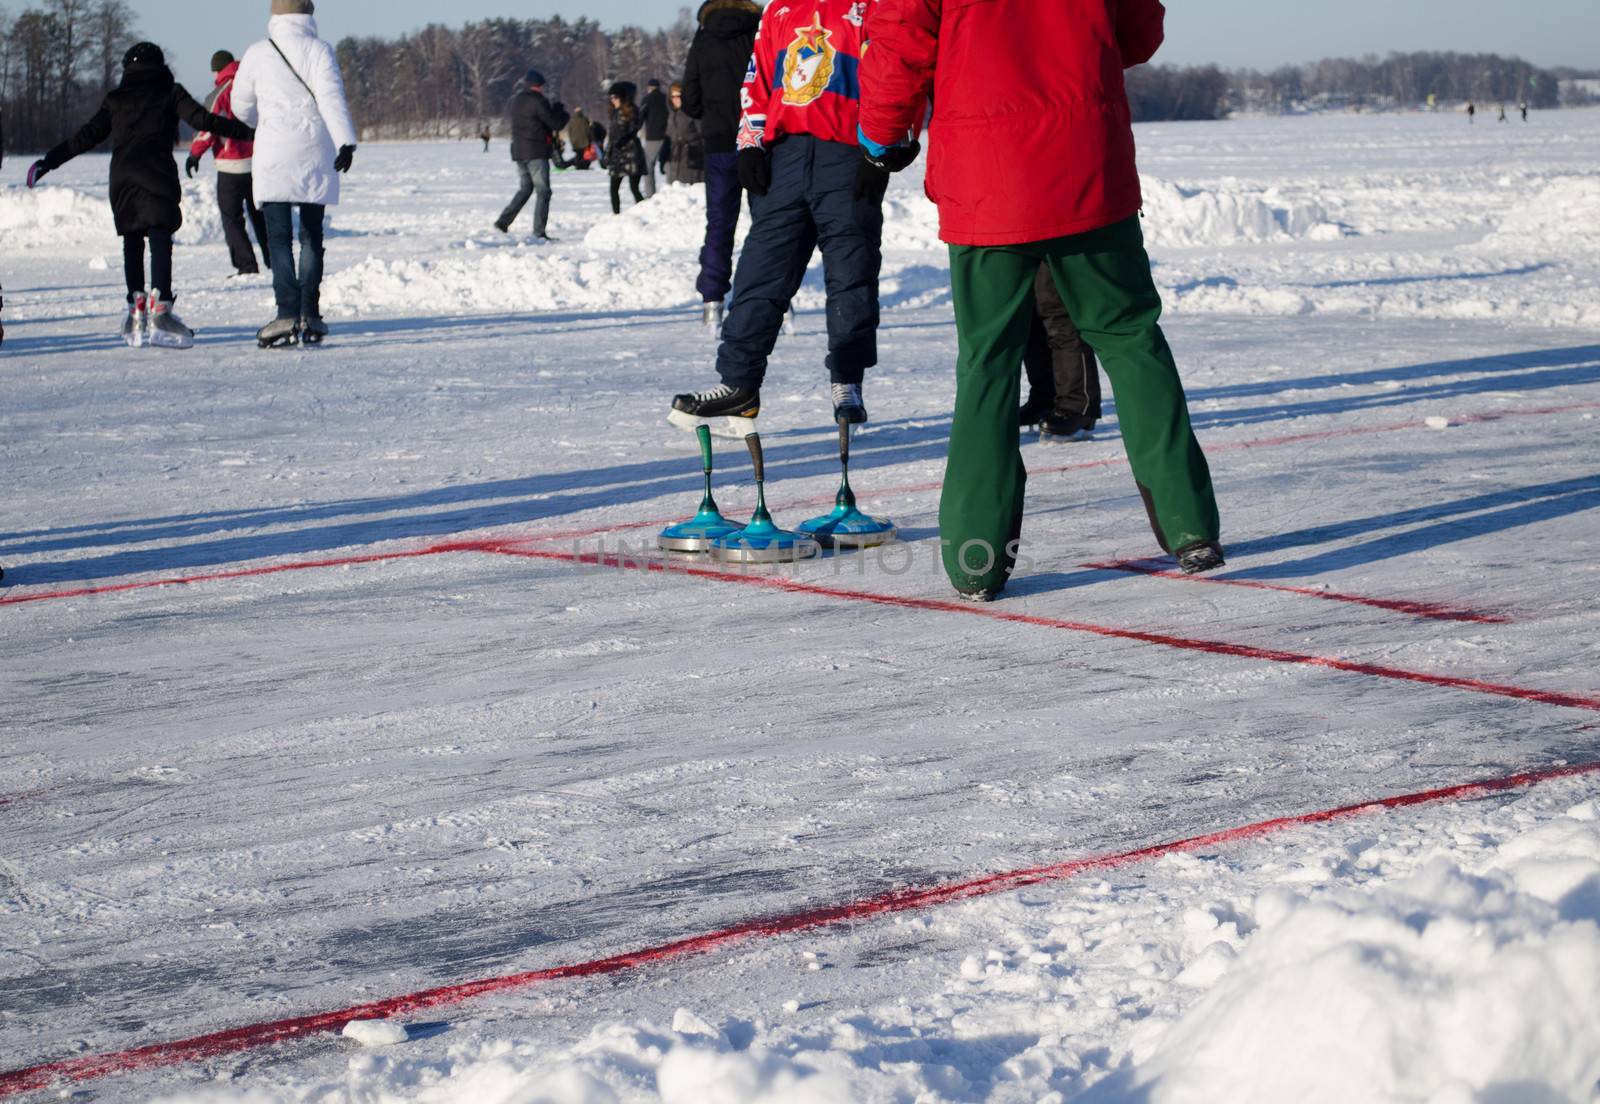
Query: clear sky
x=1256 y=33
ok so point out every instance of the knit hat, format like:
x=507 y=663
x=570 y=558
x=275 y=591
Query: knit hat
x=533 y=78
x=145 y=53
x=220 y=61
x=653 y=83
x=293 y=7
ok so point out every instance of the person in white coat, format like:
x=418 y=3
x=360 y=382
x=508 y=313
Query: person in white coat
x=288 y=87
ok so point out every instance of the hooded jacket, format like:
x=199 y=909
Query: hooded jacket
x=299 y=126
x=714 y=73
x=1048 y=72
x=233 y=156
x=140 y=116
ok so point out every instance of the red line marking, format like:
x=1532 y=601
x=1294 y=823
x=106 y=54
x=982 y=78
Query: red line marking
x=248 y=1037
x=1417 y=609
x=488 y=545
x=975 y=609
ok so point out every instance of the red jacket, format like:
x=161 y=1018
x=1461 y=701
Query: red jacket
x=232 y=154
x=804 y=75
x=1030 y=137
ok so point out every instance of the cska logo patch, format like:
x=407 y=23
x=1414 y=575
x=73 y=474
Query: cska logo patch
x=808 y=64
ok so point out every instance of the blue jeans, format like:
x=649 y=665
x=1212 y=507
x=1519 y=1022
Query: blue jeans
x=535 y=177
x=299 y=295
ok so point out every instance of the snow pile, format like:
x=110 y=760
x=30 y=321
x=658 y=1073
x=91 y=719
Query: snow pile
x=1441 y=956
x=674 y=219
x=54 y=217
x=1176 y=216
x=1563 y=219
x=202 y=222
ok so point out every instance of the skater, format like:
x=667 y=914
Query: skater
x=484 y=135
x=235 y=186
x=654 y=117
x=798 y=158
x=1069 y=200
x=290 y=82
x=580 y=137
x=1503 y=114
x=141 y=116
x=1063 y=375
x=1472 y=112
x=1523 y=107
x=534 y=126
x=686 y=153
x=624 y=154
x=712 y=79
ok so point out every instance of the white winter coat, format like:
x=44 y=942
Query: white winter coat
x=297 y=135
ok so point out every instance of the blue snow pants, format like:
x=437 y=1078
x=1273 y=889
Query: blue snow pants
x=811 y=202
x=722 y=221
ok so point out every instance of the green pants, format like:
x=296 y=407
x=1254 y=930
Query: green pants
x=1104 y=280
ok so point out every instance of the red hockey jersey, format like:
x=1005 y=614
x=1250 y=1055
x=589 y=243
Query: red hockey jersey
x=802 y=77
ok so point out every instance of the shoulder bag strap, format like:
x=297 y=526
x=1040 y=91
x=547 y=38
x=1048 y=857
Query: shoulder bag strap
x=293 y=70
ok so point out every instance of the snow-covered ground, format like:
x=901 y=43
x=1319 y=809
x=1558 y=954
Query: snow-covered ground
x=272 y=794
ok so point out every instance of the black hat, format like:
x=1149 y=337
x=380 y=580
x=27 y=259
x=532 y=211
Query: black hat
x=533 y=78
x=145 y=53
x=220 y=61
x=622 y=90
x=654 y=83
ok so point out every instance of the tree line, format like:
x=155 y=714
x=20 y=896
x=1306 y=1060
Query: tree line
x=58 y=57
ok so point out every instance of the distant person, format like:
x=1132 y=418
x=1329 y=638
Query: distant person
x=624 y=152
x=1472 y=112
x=289 y=84
x=1063 y=375
x=654 y=116
x=484 y=135
x=141 y=116
x=580 y=137
x=686 y=151
x=712 y=79
x=1523 y=107
x=1004 y=220
x=534 y=125
x=235 y=182
x=1503 y=113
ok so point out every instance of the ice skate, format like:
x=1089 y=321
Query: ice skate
x=167 y=330
x=976 y=595
x=848 y=405
x=711 y=317
x=1059 y=429
x=791 y=325
x=1032 y=412
x=1201 y=556
x=738 y=405
x=278 y=333
x=133 y=323
x=313 y=330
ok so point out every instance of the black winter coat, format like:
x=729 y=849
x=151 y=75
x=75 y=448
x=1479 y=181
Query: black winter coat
x=534 y=125
x=140 y=116
x=714 y=74
x=655 y=113
x=624 y=154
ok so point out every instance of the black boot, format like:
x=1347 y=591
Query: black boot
x=1200 y=556
x=720 y=402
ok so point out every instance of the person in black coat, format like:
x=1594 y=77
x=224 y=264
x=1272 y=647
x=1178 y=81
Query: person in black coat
x=141 y=116
x=712 y=80
x=654 y=115
x=534 y=125
x=1063 y=375
x=624 y=154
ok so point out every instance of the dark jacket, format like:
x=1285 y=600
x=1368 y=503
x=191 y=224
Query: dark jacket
x=624 y=154
x=655 y=113
x=714 y=74
x=686 y=152
x=534 y=125
x=580 y=135
x=140 y=116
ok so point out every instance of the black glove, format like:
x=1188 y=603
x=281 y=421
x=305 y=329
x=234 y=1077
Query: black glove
x=347 y=156
x=872 y=175
x=190 y=165
x=755 y=171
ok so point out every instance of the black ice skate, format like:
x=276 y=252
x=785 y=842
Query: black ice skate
x=167 y=330
x=1063 y=428
x=848 y=405
x=279 y=333
x=1033 y=411
x=1201 y=556
x=313 y=330
x=739 y=404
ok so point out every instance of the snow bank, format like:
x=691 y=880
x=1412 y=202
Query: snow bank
x=1437 y=956
x=53 y=217
x=1563 y=220
x=1176 y=216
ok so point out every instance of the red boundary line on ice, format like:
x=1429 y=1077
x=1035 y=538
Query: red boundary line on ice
x=1432 y=610
x=248 y=1037
x=495 y=544
x=975 y=609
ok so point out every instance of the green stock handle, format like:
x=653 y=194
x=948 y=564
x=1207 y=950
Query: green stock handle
x=704 y=434
x=754 y=441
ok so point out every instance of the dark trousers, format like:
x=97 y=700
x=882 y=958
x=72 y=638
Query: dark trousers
x=535 y=176
x=160 y=262
x=722 y=221
x=235 y=200
x=616 y=191
x=811 y=203
x=1062 y=371
x=299 y=294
